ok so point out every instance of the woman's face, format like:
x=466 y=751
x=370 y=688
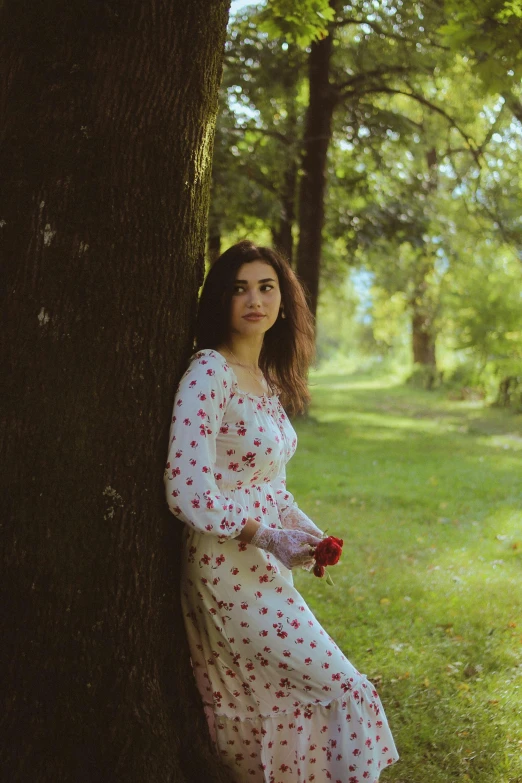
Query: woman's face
x=256 y=299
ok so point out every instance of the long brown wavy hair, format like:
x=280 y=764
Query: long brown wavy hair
x=288 y=346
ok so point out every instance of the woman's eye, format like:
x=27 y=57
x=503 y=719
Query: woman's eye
x=240 y=289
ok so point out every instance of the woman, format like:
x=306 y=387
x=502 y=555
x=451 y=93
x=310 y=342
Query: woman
x=282 y=701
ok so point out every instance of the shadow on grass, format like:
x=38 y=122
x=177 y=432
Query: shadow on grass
x=401 y=459
x=387 y=395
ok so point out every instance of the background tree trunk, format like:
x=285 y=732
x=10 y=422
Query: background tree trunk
x=108 y=114
x=317 y=136
x=282 y=237
x=423 y=333
x=423 y=340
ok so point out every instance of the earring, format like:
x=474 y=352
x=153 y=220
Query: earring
x=282 y=314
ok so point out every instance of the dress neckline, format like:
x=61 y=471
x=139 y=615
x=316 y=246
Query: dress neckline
x=238 y=390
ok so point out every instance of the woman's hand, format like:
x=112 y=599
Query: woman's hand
x=295 y=519
x=291 y=547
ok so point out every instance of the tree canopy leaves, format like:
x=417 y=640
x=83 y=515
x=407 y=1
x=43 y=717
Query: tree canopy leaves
x=424 y=162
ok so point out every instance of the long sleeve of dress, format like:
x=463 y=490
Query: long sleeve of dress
x=193 y=494
x=291 y=516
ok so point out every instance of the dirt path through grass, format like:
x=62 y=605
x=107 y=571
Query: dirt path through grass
x=427 y=494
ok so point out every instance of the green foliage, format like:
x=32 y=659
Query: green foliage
x=390 y=320
x=299 y=21
x=338 y=332
x=424 y=173
x=407 y=204
x=258 y=128
x=489 y=32
x=483 y=306
x=484 y=301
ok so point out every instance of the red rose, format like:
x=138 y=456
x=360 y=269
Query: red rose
x=328 y=551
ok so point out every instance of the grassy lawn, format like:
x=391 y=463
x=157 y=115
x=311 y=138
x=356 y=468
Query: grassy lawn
x=427 y=494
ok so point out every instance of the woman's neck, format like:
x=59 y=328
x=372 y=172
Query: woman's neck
x=244 y=352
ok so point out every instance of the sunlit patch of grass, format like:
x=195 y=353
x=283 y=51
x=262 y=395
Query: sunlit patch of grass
x=427 y=494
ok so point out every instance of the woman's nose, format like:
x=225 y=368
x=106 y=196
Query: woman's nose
x=253 y=299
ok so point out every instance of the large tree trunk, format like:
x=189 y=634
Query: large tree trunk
x=317 y=135
x=214 y=245
x=108 y=114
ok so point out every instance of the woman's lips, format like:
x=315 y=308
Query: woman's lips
x=253 y=317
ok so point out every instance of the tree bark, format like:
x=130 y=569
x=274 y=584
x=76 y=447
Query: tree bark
x=282 y=237
x=422 y=328
x=423 y=341
x=317 y=135
x=509 y=393
x=423 y=335
x=108 y=114
x=214 y=246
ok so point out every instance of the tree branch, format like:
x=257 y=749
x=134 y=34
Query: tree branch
x=514 y=104
x=263 y=132
x=366 y=75
x=257 y=177
x=377 y=28
x=475 y=151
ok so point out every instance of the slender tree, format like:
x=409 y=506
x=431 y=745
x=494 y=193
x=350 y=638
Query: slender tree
x=317 y=137
x=107 y=122
x=358 y=60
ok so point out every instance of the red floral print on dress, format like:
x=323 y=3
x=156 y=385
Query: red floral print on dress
x=262 y=662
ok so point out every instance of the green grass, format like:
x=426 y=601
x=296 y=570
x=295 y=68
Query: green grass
x=427 y=495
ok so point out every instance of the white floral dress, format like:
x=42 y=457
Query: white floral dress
x=283 y=703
